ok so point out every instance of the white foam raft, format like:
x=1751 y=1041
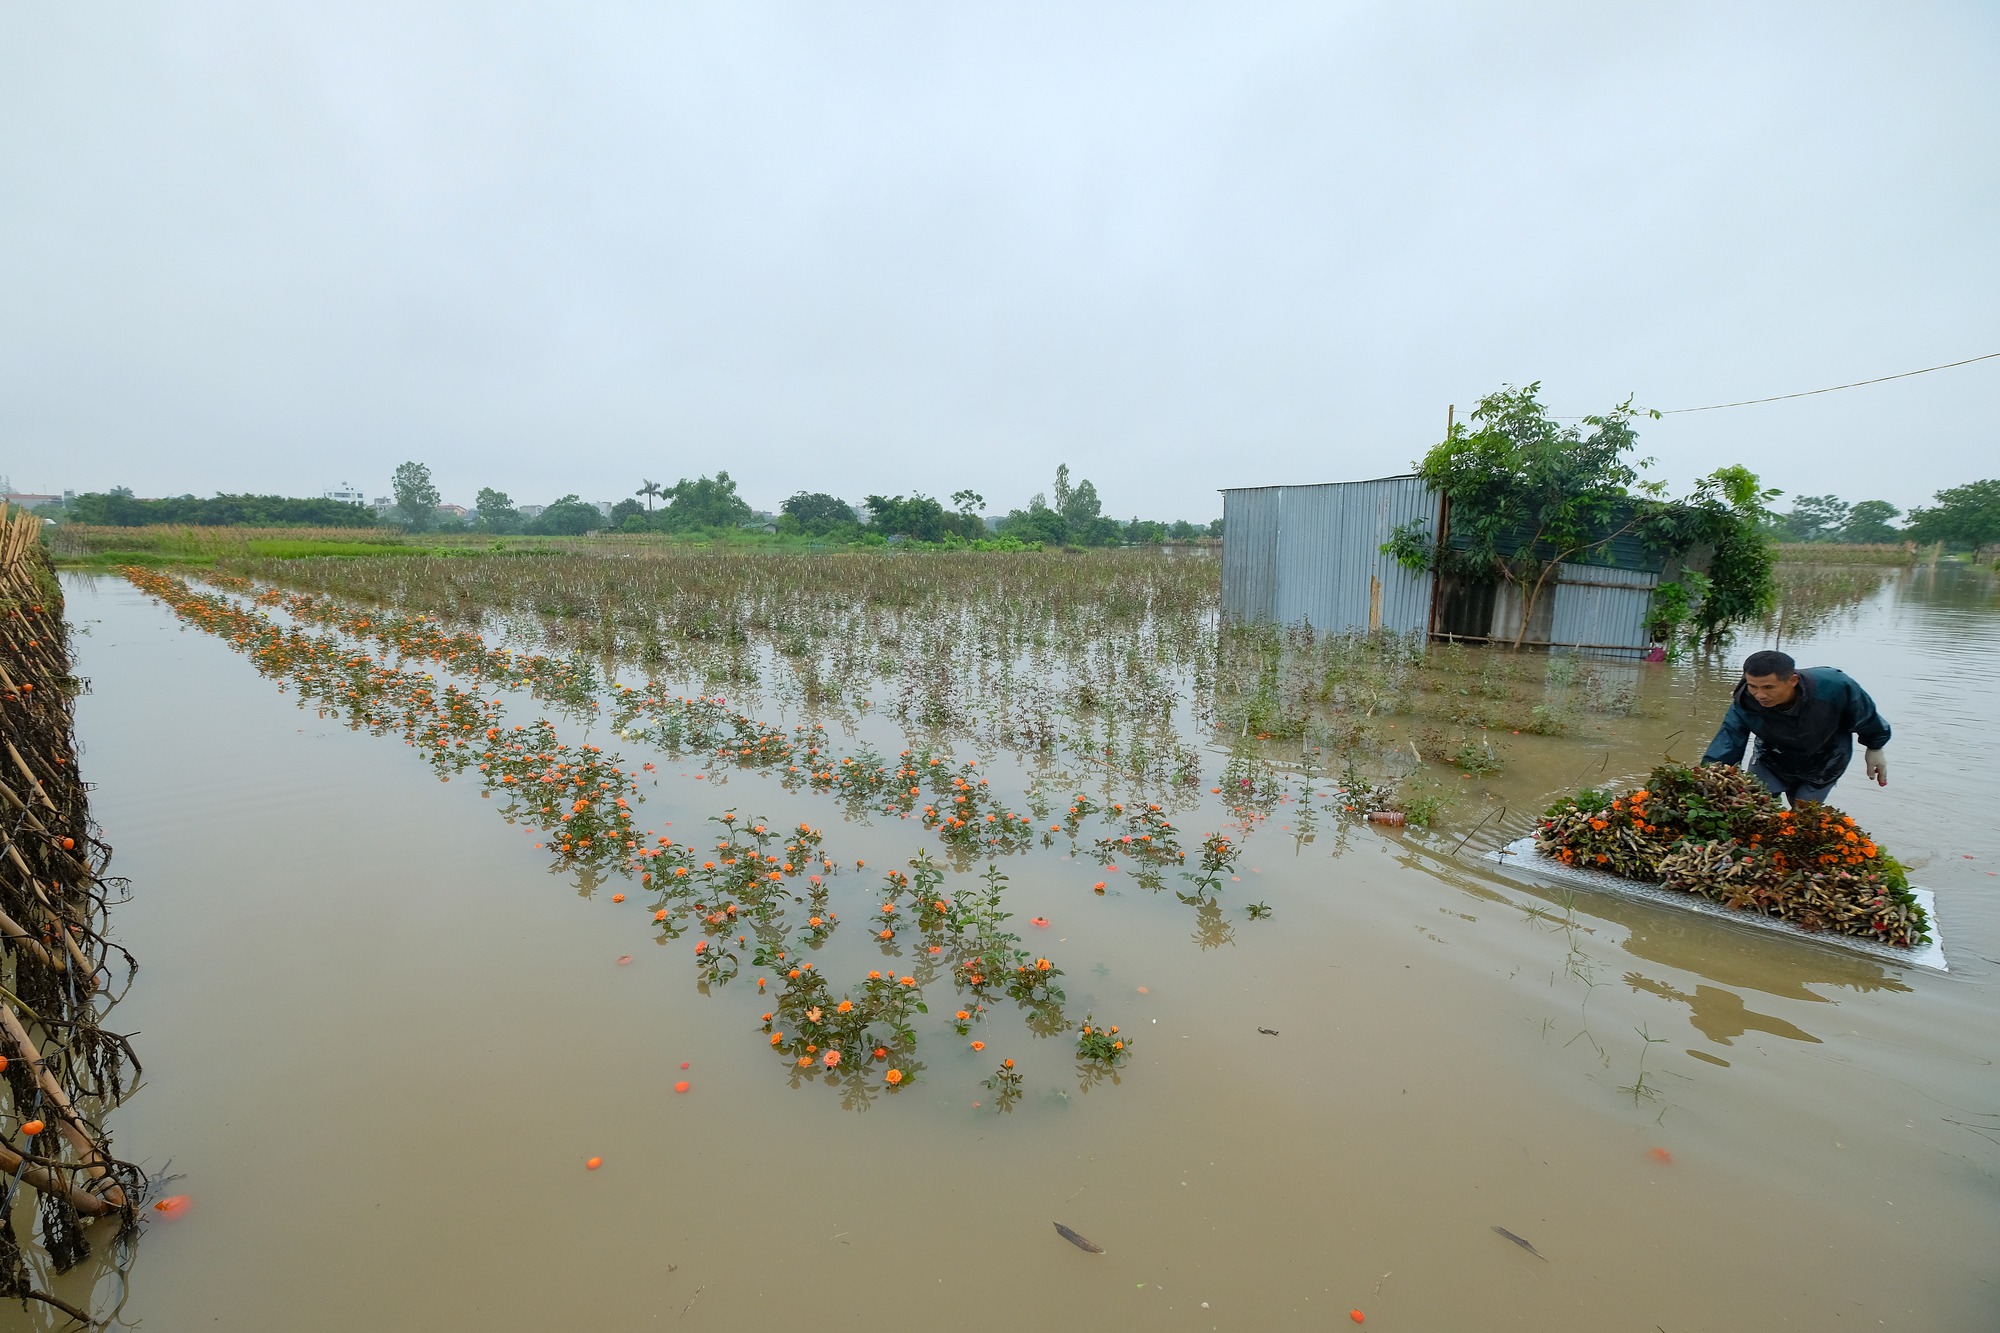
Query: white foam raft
x=1521 y=854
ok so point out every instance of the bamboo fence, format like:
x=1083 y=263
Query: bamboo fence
x=63 y=1071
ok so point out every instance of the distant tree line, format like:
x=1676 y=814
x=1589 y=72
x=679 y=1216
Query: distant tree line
x=119 y=508
x=1962 y=517
x=690 y=506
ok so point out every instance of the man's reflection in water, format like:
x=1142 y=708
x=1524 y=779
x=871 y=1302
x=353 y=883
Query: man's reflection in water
x=1719 y=1014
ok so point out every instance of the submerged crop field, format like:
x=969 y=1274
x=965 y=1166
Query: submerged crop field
x=739 y=907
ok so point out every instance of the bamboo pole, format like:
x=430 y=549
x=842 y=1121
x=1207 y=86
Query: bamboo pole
x=8 y=794
x=13 y=930
x=72 y=1125
x=33 y=781
x=48 y=1182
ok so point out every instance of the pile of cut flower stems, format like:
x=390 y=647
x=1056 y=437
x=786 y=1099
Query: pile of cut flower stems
x=61 y=1190
x=1716 y=832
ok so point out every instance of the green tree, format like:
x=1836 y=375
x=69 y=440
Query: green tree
x=816 y=513
x=920 y=518
x=1965 y=516
x=496 y=511
x=1726 y=514
x=1813 y=518
x=625 y=512
x=120 y=508
x=416 y=498
x=1528 y=493
x=649 y=491
x=1868 y=523
x=567 y=517
x=704 y=503
x=1081 y=509
x=1037 y=523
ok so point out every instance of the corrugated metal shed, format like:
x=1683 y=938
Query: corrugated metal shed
x=1602 y=608
x=1250 y=553
x=1311 y=555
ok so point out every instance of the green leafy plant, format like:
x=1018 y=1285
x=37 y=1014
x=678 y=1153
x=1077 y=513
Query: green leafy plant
x=1099 y=1043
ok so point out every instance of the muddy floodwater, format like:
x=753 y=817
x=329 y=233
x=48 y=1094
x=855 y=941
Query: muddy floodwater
x=381 y=1039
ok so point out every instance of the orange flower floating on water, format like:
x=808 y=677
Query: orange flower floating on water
x=830 y=1059
x=592 y=1163
x=893 y=1077
x=682 y=1086
x=1662 y=1156
x=171 y=1206
x=881 y=1052
x=1038 y=921
x=978 y=1045
x=617 y=897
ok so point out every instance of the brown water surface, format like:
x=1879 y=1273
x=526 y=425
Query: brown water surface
x=381 y=1040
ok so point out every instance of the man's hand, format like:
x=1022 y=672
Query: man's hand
x=1876 y=767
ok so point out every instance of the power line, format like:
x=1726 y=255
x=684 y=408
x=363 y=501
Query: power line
x=1779 y=398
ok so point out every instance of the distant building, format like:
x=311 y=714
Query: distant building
x=458 y=512
x=383 y=504
x=603 y=507
x=346 y=493
x=530 y=511
x=31 y=499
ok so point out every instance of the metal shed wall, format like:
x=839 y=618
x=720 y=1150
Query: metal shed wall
x=1597 y=606
x=1249 y=553
x=1326 y=567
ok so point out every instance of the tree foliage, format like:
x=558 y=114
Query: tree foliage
x=496 y=512
x=1871 y=523
x=416 y=497
x=120 y=509
x=1828 y=518
x=920 y=518
x=816 y=513
x=567 y=517
x=1965 y=516
x=704 y=503
x=1725 y=519
x=1528 y=493
x=1076 y=518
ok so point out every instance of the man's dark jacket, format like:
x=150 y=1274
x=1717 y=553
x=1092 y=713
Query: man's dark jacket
x=1807 y=741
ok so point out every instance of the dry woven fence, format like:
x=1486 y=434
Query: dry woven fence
x=63 y=1071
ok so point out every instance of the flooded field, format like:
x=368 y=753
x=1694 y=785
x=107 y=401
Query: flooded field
x=388 y=1014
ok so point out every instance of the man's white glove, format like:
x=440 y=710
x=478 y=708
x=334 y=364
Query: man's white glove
x=1876 y=767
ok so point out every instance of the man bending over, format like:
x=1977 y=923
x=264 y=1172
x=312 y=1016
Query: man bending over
x=1805 y=723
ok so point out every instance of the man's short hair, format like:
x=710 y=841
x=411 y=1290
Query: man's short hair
x=1770 y=662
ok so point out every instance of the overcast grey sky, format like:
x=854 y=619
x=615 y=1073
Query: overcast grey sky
x=864 y=247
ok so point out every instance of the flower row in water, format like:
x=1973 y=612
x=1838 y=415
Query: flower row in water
x=745 y=886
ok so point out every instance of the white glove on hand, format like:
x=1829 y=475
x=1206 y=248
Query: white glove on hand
x=1876 y=767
